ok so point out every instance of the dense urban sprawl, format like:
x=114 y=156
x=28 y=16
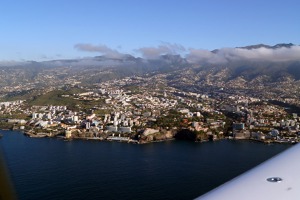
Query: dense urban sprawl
x=138 y=110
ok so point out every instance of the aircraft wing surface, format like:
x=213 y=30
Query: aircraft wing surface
x=277 y=178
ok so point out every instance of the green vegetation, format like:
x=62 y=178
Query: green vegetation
x=15 y=116
x=53 y=98
x=20 y=95
x=132 y=88
x=102 y=111
x=5 y=125
x=59 y=98
x=173 y=119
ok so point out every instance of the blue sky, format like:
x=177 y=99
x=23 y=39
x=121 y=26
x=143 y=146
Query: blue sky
x=44 y=30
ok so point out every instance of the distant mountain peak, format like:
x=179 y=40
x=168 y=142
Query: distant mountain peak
x=257 y=46
x=287 y=45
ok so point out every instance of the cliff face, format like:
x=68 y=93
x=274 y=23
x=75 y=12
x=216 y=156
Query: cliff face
x=152 y=135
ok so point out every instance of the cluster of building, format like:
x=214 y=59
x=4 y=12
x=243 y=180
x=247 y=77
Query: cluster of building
x=264 y=122
x=9 y=107
x=126 y=108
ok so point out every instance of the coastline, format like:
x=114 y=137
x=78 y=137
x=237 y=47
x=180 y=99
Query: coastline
x=94 y=160
x=129 y=140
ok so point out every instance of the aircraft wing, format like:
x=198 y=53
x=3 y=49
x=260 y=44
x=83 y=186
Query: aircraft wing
x=277 y=178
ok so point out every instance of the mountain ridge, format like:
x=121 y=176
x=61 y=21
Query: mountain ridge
x=100 y=68
x=257 y=46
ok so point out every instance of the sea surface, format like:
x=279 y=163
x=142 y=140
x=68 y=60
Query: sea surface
x=51 y=168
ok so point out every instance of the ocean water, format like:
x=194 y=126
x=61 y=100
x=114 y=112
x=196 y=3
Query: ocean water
x=50 y=168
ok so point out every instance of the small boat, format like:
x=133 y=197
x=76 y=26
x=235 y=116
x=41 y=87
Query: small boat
x=1 y=135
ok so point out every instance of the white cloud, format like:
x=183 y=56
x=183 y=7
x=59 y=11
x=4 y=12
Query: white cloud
x=235 y=54
x=164 y=48
x=103 y=49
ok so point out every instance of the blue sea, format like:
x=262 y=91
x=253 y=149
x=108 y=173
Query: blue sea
x=51 y=168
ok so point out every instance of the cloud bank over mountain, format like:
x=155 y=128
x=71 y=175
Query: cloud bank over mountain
x=103 y=49
x=224 y=55
x=110 y=56
x=275 y=53
x=163 y=49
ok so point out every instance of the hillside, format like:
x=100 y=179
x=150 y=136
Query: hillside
x=255 y=64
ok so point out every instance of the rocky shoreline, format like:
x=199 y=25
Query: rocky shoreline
x=148 y=136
